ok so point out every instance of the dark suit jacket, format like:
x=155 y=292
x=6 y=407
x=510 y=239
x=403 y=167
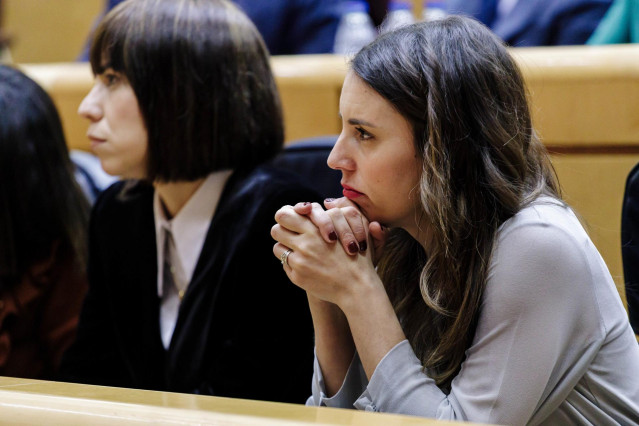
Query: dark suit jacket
x=630 y=245
x=243 y=329
x=538 y=22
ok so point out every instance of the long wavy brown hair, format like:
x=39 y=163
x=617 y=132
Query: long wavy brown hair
x=466 y=101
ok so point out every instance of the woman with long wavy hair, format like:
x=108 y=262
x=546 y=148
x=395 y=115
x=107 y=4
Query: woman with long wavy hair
x=466 y=288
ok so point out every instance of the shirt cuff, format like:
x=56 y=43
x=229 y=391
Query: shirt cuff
x=394 y=384
x=354 y=384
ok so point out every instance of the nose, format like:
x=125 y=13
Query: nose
x=339 y=158
x=90 y=107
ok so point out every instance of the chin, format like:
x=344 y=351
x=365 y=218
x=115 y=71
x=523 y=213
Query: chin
x=108 y=170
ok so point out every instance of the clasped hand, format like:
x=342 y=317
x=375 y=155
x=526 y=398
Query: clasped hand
x=333 y=250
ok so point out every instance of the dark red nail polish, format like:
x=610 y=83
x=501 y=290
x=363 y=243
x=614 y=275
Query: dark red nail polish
x=332 y=236
x=353 y=248
x=363 y=246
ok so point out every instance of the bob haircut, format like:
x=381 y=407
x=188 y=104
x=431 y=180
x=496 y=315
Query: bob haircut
x=42 y=209
x=455 y=82
x=202 y=77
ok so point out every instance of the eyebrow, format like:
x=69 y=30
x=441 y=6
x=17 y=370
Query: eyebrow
x=103 y=67
x=358 y=122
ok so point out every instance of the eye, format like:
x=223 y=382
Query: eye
x=110 y=78
x=363 y=134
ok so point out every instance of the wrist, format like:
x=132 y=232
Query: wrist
x=364 y=293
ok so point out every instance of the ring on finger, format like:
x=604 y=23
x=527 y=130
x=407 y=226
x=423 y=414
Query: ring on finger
x=284 y=257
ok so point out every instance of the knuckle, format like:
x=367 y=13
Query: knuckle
x=303 y=248
x=343 y=202
x=334 y=213
x=348 y=237
x=351 y=212
x=282 y=214
x=324 y=221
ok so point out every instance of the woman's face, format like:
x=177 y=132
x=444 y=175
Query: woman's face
x=117 y=131
x=377 y=158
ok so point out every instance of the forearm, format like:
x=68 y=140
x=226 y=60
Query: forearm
x=334 y=345
x=374 y=326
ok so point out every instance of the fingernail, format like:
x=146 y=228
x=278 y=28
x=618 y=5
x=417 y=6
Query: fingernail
x=352 y=247
x=329 y=200
x=306 y=203
x=332 y=236
x=363 y=246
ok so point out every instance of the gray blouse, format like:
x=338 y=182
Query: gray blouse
x=553 y=343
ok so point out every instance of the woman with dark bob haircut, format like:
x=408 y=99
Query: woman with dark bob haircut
x=181 y=297
x=482 y=298
x=43 y=223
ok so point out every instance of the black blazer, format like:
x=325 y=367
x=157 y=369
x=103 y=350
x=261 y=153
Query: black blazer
x=243 y=329
x=630 y=245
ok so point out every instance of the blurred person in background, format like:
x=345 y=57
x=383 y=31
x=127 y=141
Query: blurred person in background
x=619 y=25
x=287 y=26
x=43 y=221
x=536 y=22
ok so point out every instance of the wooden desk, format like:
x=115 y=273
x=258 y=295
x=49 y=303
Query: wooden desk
x=25 y=401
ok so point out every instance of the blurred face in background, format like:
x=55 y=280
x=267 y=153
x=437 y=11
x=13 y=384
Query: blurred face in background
x=117 y=131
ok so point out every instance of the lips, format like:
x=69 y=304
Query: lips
x=95 y=141
x=350 y=193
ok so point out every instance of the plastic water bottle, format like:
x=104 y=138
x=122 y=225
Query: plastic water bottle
x=355 y=29
x=434 y=10
x=400 y=13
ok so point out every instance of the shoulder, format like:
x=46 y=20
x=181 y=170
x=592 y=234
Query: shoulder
x=121 y=199
x=544 y=250
x=266 y=185
x=124 y=192
x=545 y=268
x=545 y=221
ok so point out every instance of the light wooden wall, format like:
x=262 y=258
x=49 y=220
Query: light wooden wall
x=49 y=30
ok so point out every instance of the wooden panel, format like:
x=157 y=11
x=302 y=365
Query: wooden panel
x=583 y=95
x=310 y=90
x=593 y=185
x=68 y=84
x=49 y=30
x=52 y=403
